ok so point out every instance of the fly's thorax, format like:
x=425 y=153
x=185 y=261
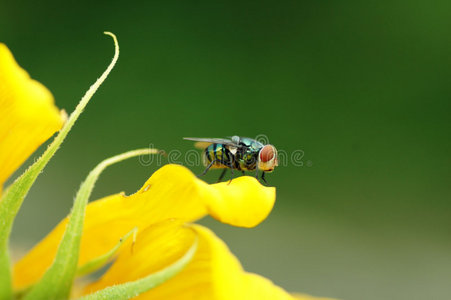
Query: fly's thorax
x=247 y=160
x=251 y=144
x=267 y=158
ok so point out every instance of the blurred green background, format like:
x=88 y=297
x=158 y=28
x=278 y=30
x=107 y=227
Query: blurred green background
x=362 y=88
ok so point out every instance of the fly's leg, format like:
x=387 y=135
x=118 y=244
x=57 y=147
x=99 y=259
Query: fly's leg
x=222 y=175
x=233 y=173
x=206 y=169
x=263 y=178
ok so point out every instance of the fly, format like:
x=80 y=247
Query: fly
x=237 y=153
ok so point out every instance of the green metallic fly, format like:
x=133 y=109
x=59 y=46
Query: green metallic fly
x=237 y=153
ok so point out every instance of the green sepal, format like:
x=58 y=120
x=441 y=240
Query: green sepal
x=100 y=261
x=92 y=265
x=132 y=289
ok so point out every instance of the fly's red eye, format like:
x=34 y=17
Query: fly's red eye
x=267 y=153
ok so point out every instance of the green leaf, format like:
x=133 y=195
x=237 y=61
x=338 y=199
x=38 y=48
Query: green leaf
x=134 y=288
x=57 y=280
x=14 y=195
x=100 y=261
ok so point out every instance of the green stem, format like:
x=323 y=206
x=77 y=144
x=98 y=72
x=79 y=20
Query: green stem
x=14 y=195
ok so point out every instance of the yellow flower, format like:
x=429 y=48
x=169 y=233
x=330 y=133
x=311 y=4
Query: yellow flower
x=172 y=192
x=28 y=115
x=161 y=210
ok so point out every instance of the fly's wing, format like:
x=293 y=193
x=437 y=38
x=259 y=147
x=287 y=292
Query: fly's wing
x=203 y=143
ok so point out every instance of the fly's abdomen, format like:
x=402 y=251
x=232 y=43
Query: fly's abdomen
x=219 y=154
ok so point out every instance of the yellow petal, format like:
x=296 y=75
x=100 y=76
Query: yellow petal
x=172 y=192
x=214 y=273
x=244 y=202
x=258 y=287
x=156 y=247
x=28 y=115
x=308 y=297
